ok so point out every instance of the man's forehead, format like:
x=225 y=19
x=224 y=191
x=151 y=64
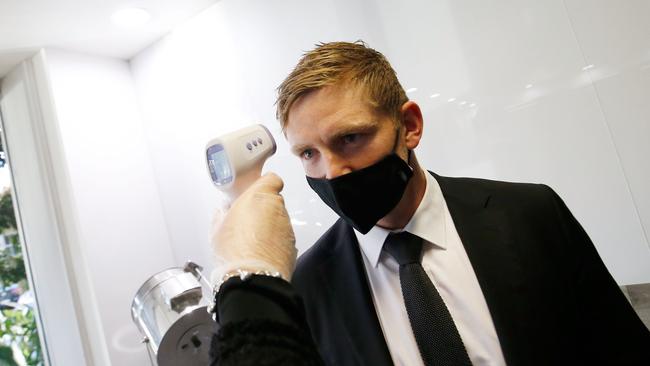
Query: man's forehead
x=330 y=100
x=327 y=110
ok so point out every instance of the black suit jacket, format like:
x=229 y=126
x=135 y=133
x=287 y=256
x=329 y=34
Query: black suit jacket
x=551 y=298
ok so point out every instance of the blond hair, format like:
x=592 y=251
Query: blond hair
x=338 y=63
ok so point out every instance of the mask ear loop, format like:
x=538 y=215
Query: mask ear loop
x=408 y=159
x=408 y=151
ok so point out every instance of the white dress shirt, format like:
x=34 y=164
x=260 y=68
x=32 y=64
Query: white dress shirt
x=446 y=263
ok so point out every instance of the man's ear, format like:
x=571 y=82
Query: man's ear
x=412 y=123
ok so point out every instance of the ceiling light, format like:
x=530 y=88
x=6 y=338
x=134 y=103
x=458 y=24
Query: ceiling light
x=588 y=67
x=436 y=95
x=528 y=86
x=463 y=102
x=451 y=100
x=131 y=17
x=412 y=90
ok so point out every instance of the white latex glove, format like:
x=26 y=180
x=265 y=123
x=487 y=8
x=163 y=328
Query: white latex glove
x=256 y=233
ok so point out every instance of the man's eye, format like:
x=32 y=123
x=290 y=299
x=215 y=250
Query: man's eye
x=307 y=154
x=351 y=138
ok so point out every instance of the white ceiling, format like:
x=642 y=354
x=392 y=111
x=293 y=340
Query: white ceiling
x=84 y=26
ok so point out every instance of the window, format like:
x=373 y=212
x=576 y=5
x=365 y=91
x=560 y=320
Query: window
x=19 y=340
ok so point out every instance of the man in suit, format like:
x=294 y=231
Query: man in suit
x=429 y=270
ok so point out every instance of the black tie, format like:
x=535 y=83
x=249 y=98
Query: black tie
x=433 y=327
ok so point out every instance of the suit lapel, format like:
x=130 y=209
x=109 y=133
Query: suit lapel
x=486 y=236
x=346 y=279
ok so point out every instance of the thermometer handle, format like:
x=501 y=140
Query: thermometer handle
x=244 y=181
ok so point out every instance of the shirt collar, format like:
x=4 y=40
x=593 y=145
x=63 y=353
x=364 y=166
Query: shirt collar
x=428 y=222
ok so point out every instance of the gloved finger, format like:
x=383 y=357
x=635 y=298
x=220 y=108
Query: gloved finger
x=269 y=183
x=217 y=219
x=220 y=212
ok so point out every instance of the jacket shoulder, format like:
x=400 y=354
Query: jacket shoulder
x=511 y=192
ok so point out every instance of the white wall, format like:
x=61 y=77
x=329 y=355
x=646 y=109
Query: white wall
x=583 y=132
x=116 y=199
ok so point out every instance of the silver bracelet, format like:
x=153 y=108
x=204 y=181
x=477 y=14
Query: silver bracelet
x=243 y=275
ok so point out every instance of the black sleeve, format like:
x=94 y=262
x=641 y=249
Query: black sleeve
x=612 y=333
x=262 y=322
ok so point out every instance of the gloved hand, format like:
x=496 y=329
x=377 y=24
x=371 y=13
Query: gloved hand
x=256 y=233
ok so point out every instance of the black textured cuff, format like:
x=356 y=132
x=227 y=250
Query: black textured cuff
x=258 y=297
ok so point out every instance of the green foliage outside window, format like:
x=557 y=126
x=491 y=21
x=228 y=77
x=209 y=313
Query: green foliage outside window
x=19 y=326
x=7 y=217
x=12 y=268
x=19 y=342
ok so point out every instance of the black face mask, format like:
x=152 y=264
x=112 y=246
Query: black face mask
x=364 y=196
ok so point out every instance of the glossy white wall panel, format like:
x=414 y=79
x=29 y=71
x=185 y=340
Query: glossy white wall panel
x=123 y=231
x=615 y=38
x=625 y=101
x=612 y=34
x=219 y=72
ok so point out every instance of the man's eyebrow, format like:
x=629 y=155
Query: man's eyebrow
x=299 y=148
x=360 y=127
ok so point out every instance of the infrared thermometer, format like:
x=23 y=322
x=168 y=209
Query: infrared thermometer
x=235 y=160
